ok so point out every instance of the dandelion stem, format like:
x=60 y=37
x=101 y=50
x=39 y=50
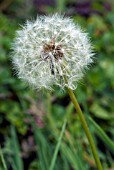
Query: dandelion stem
x=85 y=126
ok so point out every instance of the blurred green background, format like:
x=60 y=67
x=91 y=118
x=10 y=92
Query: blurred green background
x=30 y=121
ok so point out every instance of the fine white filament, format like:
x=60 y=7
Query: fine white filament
x=52 y=50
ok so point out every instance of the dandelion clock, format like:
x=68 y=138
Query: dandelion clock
x=54 y=51
x=51 y=49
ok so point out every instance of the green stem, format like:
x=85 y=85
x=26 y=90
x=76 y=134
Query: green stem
x=85 y=126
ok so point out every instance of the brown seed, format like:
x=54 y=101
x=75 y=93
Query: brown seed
x=56 y=50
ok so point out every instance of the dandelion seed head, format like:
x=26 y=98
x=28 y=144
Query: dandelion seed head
x=51 y=50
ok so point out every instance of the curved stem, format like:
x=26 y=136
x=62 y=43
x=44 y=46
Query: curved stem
x=85 y=126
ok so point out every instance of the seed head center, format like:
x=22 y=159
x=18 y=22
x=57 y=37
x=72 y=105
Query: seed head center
x=52 y=49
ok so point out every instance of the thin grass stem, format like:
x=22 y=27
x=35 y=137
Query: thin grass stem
x=2 y=160
x=57 y=147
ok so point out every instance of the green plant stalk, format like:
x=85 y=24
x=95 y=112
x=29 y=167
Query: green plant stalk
x=2 y=160
x=57 y=147
x=85 y=126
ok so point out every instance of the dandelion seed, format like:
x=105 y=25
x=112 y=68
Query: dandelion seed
x=50 y=49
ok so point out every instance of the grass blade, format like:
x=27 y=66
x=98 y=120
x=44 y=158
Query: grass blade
x=2 y=160
x=42 y=148
x=57 y=147
x=102 y=134
x=99 y=131
x=72 y=158
x=15 y=145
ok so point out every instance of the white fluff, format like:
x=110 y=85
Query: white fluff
x=64 y=64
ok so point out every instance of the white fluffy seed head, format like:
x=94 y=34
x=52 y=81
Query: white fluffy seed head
x=51 y=51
